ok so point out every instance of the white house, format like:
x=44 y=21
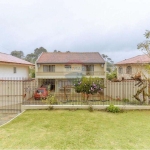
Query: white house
x=13 y=67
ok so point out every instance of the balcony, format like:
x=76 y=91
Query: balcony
x=56 y=75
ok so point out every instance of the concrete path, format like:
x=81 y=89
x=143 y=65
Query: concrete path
x=4 y=117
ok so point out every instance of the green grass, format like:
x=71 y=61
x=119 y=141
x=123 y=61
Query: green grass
x=81 y=129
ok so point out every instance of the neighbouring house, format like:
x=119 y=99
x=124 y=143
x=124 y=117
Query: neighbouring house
x=57 y=69
x=128 y=68
x=15 y=84
x=13 y=67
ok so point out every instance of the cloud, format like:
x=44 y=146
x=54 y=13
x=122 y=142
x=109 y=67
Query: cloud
x=110 y=27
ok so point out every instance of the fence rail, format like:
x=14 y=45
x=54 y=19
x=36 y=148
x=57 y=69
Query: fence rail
x=13 y=91
x=117 y=93
x=17 y=92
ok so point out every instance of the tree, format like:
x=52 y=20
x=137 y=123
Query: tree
x=38 y=51
x=112 y=75
x=18 y=54
x=89 y=85
x=109 y=62
x=32 y=57
x=145 y=46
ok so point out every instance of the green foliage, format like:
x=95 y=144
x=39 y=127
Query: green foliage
x=51 y=99
x=125 y=100
x=147 y=68
x=88 y=85
x=113 y=109
x=38 y=51
x=109 y=62
x=32 y=73
x=90 y=108
x=18 y=54
x=32 y=57
x=50 y=108
x=145 y=46
x=112 y=75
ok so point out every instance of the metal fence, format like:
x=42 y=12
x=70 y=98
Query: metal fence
x=117 y=93
x=13 y=91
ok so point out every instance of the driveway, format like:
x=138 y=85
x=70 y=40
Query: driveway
x=5 y=117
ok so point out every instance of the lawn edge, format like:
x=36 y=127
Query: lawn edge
x=12 y=119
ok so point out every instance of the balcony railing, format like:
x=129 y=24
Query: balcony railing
x=71 y=74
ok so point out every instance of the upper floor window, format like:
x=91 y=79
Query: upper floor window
x=129 y=70
x=68 y=66
x=120 y=70
x=48 y=68
x=15 y=70
x=88 y=67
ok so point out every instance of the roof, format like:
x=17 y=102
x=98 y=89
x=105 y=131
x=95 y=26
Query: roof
x=6 y=58
x=140 y=59
x=70 y=57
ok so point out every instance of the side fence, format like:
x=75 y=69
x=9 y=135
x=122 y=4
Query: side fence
x=125 y=91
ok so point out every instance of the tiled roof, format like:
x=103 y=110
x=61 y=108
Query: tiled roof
x=140 y=59
x=6 y=58
x=70 y=57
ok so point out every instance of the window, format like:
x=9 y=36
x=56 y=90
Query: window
x=120 y=70
x=68 y=66
x=15 y=70
x=89 y=69
x=129 y=70
x=49 y=68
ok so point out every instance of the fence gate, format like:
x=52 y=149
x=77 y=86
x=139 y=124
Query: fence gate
x=13 y=92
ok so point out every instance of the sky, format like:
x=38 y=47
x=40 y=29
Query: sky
x=111 y=27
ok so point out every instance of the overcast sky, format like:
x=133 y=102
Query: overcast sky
x=111 y=27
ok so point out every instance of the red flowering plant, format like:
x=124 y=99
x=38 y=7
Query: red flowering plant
x=89 y=85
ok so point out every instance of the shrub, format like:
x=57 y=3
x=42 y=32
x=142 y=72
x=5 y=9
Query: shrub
x=50 y=108
x=125 y=100
x=51 y=100
x=88 y=86
x=91 y=109
x=111 y=75
x=113 y=109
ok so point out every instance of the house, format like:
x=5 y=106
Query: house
x=13 y=67
x=57 y=69
x=14 y=84
x=128 y=68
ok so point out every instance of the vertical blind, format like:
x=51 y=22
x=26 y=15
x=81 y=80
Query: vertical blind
x=49 y=68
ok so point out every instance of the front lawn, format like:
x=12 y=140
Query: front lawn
x=81 y=129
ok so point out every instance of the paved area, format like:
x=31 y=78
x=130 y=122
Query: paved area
x=5 y=117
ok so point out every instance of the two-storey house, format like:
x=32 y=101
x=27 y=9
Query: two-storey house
x=58 y=69
x=128 y=68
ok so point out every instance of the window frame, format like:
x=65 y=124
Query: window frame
x=48 y=68
x=129 y=70
x=67 y=66
x=120 y=70
x=14 y=69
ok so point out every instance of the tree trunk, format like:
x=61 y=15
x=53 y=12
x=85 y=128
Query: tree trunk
x=136 y=96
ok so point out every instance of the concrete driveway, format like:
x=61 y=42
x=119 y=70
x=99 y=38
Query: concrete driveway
x=5 y=117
